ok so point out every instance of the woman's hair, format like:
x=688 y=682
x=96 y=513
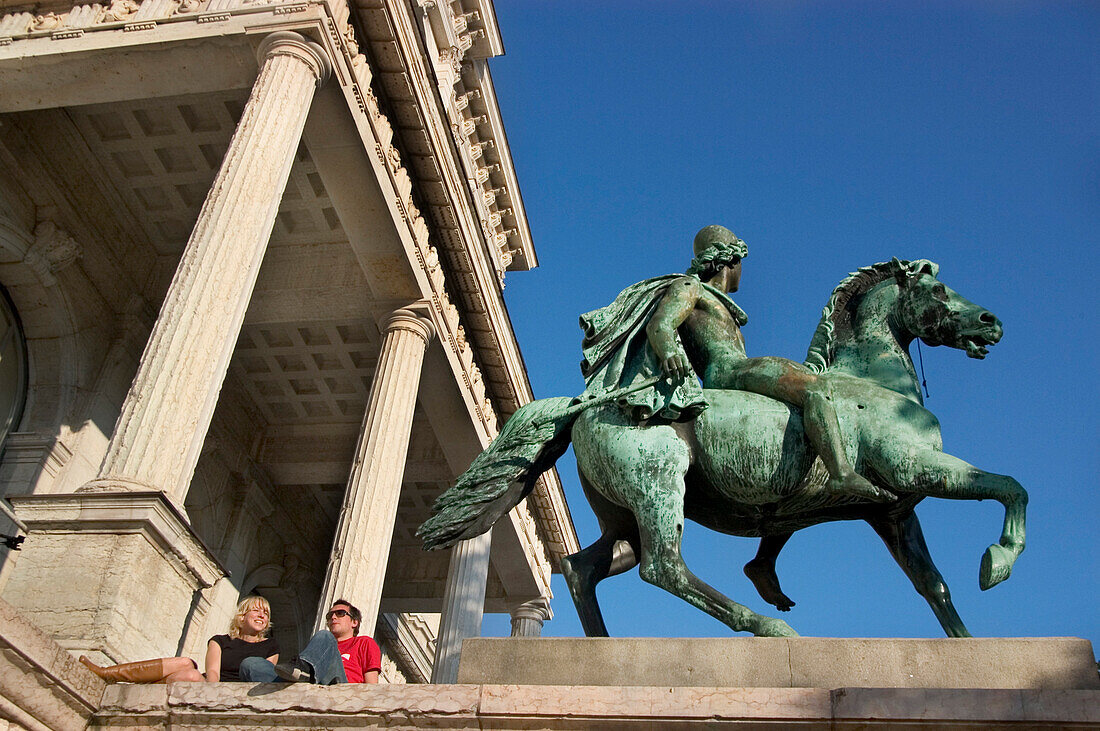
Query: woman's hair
x=249 y=602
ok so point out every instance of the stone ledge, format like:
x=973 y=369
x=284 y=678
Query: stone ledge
x=508 y=707
x=801 y=662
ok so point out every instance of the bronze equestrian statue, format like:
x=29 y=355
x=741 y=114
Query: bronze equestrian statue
x=763 y=447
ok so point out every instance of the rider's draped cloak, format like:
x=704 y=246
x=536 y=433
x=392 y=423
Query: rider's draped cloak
x=617 y=353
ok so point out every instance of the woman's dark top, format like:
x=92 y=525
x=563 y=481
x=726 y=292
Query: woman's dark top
x=235 y=650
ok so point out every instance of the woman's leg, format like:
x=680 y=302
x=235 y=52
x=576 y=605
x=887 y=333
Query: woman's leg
x=182 y=670
x=143 y=671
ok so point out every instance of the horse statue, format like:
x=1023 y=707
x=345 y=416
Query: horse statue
x=743 y=466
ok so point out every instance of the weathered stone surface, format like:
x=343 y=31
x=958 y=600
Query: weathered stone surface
x=301 y=706
x=131 y=698
x=805 y=662
x=668 y=704
x=971 y=706
x=515 y=707
x=39 y=682
x=1027 y=662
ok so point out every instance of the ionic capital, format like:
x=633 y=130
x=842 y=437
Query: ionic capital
x=295 y=45
x=536 y=609
x=407 y=319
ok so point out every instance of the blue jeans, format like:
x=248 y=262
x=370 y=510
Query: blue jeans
x=321 y=654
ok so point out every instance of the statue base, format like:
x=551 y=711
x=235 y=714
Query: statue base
x=1062 y=663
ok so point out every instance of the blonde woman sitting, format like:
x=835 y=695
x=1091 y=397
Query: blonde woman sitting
x=247 y=638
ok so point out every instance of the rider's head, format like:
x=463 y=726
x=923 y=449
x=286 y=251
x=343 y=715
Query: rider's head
x=715 y=246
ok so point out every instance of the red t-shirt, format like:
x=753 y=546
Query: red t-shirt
x=360 y=654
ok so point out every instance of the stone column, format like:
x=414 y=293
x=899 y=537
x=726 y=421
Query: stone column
x=164 y=419
x=361 y=548
x=463 y=604
x=528 y=618
x=100 y=563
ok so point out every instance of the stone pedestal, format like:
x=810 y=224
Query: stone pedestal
x=1064 y=663
x=116 y=575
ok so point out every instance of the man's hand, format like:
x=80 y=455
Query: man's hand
x=675 y=367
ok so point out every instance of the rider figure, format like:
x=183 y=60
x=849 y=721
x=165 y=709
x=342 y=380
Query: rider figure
x=714 y=347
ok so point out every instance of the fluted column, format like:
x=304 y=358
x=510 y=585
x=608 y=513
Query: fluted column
x=361 y=548
x=528 y=618
x=165 y=416
x=463 y=604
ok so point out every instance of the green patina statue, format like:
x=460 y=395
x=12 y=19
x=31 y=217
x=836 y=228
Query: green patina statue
x=764 y=447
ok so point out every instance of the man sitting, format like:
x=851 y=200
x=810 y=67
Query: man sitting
x=336 y=655
x=361 y=656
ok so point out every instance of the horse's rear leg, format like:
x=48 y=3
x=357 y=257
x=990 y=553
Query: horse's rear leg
x=615 y=552
x=661 y=526
x=584 y=569
x=904 y=538
x=761 y=571
x=941 y=475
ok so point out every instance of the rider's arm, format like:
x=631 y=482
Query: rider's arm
x=673 y=309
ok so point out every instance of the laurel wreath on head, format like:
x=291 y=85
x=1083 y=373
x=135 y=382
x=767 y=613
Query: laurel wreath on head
x=720 y=253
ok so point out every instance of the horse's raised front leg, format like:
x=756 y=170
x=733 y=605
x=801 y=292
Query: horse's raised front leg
x=936 y=474
x=660 y=518
x=761 y=571
x=903 y=536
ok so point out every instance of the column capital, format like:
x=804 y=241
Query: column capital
x=537 y=609
x=408 y=319
x=289 y=43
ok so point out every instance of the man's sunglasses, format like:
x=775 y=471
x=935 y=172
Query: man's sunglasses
x=337 y=613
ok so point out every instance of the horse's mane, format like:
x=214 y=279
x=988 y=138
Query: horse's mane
x=836 y=317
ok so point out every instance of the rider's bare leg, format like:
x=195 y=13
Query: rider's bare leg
x=782 y=379
x=761 y=571
x=823 y=430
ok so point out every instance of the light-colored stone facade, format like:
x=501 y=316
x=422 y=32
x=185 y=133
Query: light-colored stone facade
x=252 y=256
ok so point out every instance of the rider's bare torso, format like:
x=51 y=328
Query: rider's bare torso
x=710 y=344
x=713 y=342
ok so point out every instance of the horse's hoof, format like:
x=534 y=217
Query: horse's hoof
x=771 y=627
x=996 y=566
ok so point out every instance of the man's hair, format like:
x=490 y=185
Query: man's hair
x=353 y=610
x=706 y=264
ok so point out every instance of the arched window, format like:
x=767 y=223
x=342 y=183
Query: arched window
x=13 y=368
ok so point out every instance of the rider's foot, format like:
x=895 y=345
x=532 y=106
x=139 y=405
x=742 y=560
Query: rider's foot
x=858 y=486
x=762 y=575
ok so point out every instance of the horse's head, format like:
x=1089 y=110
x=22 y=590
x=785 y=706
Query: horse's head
x=938 y=315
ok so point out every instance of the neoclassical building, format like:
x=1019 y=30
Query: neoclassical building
x=252 y=255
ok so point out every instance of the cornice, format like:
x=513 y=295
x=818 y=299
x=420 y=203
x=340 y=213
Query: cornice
x=409 y=90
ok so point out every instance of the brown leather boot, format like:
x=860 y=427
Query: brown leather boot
x=144 y=671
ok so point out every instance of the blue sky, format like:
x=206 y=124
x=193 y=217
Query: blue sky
x=830 y=136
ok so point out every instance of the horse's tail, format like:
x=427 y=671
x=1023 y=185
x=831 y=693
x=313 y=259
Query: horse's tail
x=496 y=481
